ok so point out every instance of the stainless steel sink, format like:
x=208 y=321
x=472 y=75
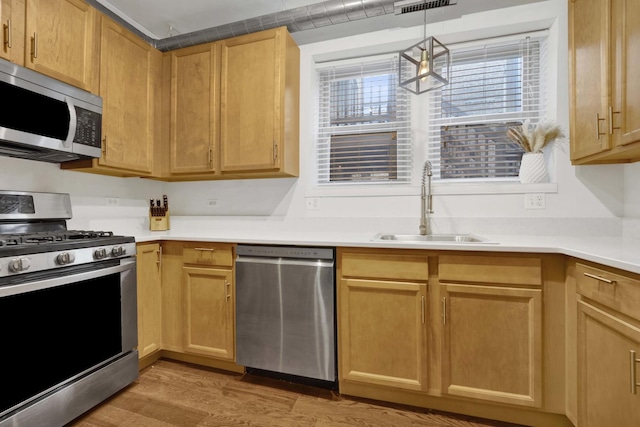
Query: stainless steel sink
x=439 y=238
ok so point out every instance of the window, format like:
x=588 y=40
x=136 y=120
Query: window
x=492 y=88
x=364 y=125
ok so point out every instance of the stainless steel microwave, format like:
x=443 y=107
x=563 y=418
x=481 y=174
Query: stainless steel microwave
x=46 y=120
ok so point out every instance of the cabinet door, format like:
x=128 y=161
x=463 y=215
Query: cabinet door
x=589 y=44
x=195 y=82
x=61 y=41
x=605 y=383
x=209 y=312
x=127 y=69
x=12 y=26
x=5 y=25
x=493 y=343
x=626 y=105
x=149 y=298
x=251 y=101
x=382 y=333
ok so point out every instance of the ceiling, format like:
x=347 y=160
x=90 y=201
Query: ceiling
x=165 y=19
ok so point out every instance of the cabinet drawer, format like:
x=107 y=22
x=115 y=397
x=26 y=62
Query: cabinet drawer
x=208 y=254
x=385 y=266
x=618 y=292
x=505 y=270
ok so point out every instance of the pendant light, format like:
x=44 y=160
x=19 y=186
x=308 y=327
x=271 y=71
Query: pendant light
x=421 y=58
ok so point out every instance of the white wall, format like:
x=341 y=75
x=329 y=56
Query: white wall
x=589 y=192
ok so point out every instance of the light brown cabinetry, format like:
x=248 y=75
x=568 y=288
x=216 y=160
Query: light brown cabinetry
x=234 y=108
x=149 y=298
x=260 y=89
x=195 y=109
x=605 y=109
x=382 y=316
x=492 y=318
x=208 y=300
x=12 y=19
x=129 y=78
x=61 y=41
x=608 y=347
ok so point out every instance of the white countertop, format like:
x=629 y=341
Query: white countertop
x=618 y=252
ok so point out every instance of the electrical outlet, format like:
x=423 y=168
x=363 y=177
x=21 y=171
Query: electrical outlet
x=112 y=201
x=313 y=203
x=534 y=201
x=212 y=203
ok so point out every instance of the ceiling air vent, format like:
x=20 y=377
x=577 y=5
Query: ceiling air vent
x=408 y=6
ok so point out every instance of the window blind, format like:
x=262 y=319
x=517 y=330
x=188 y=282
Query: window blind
x=364 y=133
x=492 y=87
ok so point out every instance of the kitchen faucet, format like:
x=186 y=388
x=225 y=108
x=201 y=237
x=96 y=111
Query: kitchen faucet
x=426 y=207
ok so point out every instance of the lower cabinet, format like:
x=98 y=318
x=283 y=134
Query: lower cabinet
x=492 y=343
x=149 y=298
x=197 y=300
x=209 y=312
x=492 y=320
x=467 y=332
x=608 y=347
x=382 y=319
x=382 y=330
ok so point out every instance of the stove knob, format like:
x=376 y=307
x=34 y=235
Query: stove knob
x=18 y=265
x=118 y=251
x=100 y=253
x=65 y=258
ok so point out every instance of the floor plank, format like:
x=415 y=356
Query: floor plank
x=174 y=394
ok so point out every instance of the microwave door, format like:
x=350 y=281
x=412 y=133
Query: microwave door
x=35 y=119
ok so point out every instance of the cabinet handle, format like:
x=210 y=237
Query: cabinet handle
x=611 y=113
x=422 y=308
x=227 y=289
x=444 y=310
x=275 y=152
x=634 y=383
x=7 y=33
x=205 y=249
x=600 y=279
x=210 y=157
x=104 y=146
x=598 y=120
x=159 y=261
x=34 y=46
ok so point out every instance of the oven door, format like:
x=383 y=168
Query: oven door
x=56 y=330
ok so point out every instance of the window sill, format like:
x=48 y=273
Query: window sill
x=437 y=188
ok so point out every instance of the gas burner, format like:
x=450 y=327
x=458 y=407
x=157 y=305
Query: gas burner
x=48 y=237
x=86 y=234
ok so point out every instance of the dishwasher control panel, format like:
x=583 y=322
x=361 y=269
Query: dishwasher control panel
x=285 y=252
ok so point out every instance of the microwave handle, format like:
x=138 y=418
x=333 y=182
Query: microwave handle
x=73 y=123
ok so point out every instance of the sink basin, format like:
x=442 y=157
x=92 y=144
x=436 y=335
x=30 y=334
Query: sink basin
x=439 y=238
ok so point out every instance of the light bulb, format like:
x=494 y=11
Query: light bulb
x=423 y=70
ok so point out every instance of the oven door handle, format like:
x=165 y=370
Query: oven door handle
x=125 y=264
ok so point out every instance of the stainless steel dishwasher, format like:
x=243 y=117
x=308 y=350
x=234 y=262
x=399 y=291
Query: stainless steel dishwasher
x=285 y=311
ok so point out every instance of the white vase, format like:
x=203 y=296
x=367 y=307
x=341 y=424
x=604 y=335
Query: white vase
x=533 y=168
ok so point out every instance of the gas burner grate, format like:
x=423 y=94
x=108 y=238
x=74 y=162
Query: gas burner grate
x=48 y=237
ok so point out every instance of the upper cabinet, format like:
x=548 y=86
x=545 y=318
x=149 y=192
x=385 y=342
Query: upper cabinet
x=61 y=41
x=12 y=25
x=233 y=107
x=195 y=109
x=605 y=109
x=259 y=99
x=129 y=77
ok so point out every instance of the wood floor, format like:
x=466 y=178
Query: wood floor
x=170 y=394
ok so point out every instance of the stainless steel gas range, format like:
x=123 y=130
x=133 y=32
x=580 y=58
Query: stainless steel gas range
x=67 y=309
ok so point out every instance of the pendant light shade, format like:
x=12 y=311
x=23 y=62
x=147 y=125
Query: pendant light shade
x=421 y=59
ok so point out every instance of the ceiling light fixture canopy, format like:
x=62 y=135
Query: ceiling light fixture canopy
x=420 y=58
